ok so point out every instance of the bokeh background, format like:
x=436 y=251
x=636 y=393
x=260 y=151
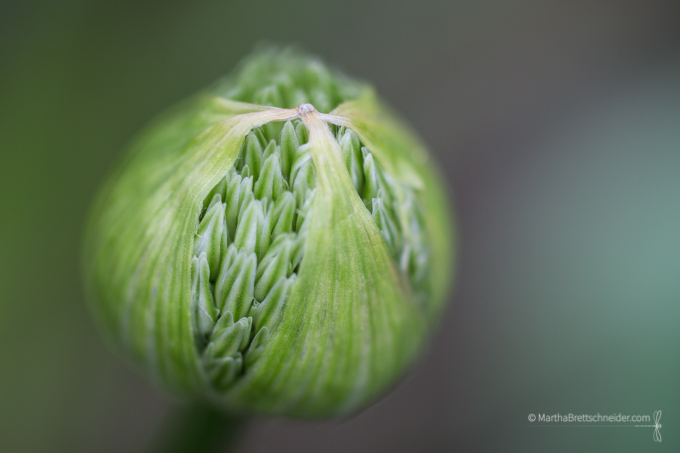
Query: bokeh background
x=556 y=124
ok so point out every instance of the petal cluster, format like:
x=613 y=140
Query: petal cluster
x=252 y=233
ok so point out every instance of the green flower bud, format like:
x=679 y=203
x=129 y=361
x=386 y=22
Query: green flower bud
x=279 y=244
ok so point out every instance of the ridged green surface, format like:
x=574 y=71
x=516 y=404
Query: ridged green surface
x=353 y=318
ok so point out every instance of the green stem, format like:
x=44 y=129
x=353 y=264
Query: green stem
x=199 y=429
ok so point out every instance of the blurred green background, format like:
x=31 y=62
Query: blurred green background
x=557 y=125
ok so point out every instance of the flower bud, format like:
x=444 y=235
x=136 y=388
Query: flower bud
x=270 y=255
